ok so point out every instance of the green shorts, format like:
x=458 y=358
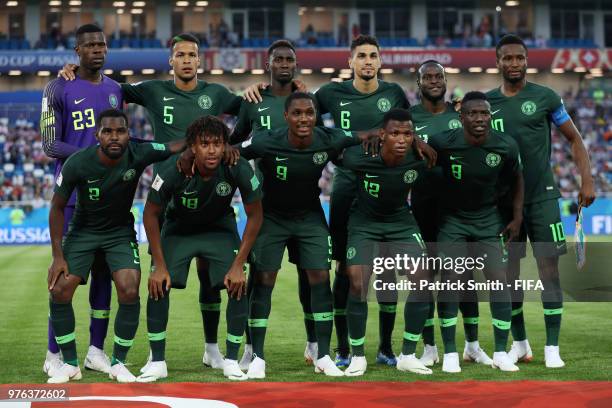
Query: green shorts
x=484 y=233
x=369 y=238
x=218 y=244
x=309 y=235
x=342 y=196
x=542 y=224
x=119 y=247
x=426 y=213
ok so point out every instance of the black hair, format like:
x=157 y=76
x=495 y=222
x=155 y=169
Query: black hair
x=280 y=44
x=87 y=28
x=473 y=96
x=112 y=113
x=362 y=39
x=401 y=115
x=207 y=126
x=299 y=95
x=509 y=39
x=184 y=37
x=427 y=62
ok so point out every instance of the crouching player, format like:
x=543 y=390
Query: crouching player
x=105 y=177
x=478 y=164
x=381 y=216
x=200 y=223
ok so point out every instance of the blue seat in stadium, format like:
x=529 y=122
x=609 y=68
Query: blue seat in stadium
x=25 y=44
x=14 y=44
x=456 y=43
x=115 y=43
x=3 y=44
x=135 y=43
x=125 y=42
x=384 y=42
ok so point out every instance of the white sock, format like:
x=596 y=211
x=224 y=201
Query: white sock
x=499 y=354
x=212 y=348
x=472 y=345
x=248 y=348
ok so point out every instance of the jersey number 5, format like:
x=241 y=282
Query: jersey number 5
x=168 y=116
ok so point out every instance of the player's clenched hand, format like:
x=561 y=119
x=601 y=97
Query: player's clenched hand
x=231 y=155
x=157 y=280
x=57 y=268
x=186 y=162
x=426 y=151
x=235 y=281
x=68 y=72
x=586 y=196
x=252 y=94
x=512 y=230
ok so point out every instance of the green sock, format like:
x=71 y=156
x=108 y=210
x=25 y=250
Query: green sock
x=157 y=321
x=235 y=315
x=386 y=318
x=62 y=321
x=501 y=314
x=321 y=303
x=357 y=316
x=415 y=315
x=126 y=324
x=261 y=301
x=247 y=330
x=305 y=300
x=428 y=329
x=552 y=320
x=448 y=325
x=210 y=305
x=518 y=322
x=469 y=311
x=340 y=292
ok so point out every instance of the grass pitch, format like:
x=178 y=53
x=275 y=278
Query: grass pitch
x=585 y=336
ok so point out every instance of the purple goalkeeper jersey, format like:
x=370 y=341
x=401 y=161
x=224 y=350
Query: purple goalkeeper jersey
x=69 y=113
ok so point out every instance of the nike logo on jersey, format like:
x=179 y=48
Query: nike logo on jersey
x=281 y=158
x=342 y=103
x=93 y=181
x=420 y=127
x=560 y=246
x=494 y=112
x=77 y=101
x=167 y=99
x=370 y=176
x=189 y=192
x=455 y=157
x=262 y=109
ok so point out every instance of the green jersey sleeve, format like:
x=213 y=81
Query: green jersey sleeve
x=248 y=182
x=341 y=139
x=231 y=102
x=134 y=93
x=321 y=101
x=254 y=147
x=164 y=183
x=243 y=125
x=148 y=153
x=351 y=158
x=401 y=97
x=68 y=178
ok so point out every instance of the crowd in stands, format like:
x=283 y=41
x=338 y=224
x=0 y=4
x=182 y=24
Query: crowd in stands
x=27 y=174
